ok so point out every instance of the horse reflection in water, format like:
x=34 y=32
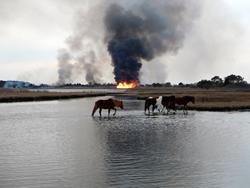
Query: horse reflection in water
x=107 y=104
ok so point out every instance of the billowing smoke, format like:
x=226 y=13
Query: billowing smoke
x=82 y=59
x=67 y=70
x=134 y=31
x=92 y=73
x=144 y=32
x=65 y=67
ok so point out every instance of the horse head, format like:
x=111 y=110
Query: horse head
x=193 y=100
x=121 y=105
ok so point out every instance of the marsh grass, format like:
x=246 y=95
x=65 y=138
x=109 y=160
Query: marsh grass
x=214 y=99
x=18 y=95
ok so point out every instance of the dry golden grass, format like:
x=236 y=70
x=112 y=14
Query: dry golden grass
x=14 y=95
x=213 y=99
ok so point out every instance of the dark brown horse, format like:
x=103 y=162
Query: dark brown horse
x=184 y=101
x=168 y=102
x=150 y=101
x=107 y=104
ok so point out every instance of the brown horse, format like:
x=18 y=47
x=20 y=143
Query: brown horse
x=107 y=104
x=184 y=101
x=168 y=102
x=150 y=101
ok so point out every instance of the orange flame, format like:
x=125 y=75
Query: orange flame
x=125 y=85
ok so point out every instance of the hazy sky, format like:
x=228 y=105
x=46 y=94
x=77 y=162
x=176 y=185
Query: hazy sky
x=34 y=33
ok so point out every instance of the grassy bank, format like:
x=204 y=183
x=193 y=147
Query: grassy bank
x=209 y=100
x=205 y=100
x=17 y=95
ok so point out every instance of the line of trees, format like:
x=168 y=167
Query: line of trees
x=230 y=81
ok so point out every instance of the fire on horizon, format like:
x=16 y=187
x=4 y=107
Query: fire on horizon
x=126 y=85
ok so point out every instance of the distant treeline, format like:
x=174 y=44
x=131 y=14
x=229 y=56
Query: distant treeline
x=2 y=83
x=231 y=81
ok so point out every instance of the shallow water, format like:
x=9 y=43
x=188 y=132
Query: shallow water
x=59 y=144
x=80 y=90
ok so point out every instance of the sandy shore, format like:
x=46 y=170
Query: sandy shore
x=206 y=100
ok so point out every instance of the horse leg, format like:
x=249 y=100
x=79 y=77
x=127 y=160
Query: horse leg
x=184 y=108
x=115 y=111
x=163 y=109
x=158 y=108
x=168 y=110
x=168 y=107
x=153 y=108
x=174 y=107
x=148 y=108
x=100 y=111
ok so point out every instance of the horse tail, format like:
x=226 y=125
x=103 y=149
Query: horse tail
x=95 y=108
x=146 y=102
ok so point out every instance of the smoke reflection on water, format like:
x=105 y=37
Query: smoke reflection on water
x=58 y=144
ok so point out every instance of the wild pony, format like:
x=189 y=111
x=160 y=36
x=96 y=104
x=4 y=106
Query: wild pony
x=158 y=103
x=184 y=101
x=107 y=104
x=168 y=102
x=150 y=101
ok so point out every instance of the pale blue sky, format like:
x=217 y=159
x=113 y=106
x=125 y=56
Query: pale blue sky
x=31 y=32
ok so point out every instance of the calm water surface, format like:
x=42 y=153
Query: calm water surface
x=81 y=90
x=59 y=144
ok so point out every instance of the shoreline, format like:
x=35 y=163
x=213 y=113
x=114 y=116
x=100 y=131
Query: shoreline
x=206 y=100
x=47 y=98
x=16 y=95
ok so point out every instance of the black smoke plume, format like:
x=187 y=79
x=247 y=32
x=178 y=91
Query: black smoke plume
x=134 y=31
x=143 y=32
